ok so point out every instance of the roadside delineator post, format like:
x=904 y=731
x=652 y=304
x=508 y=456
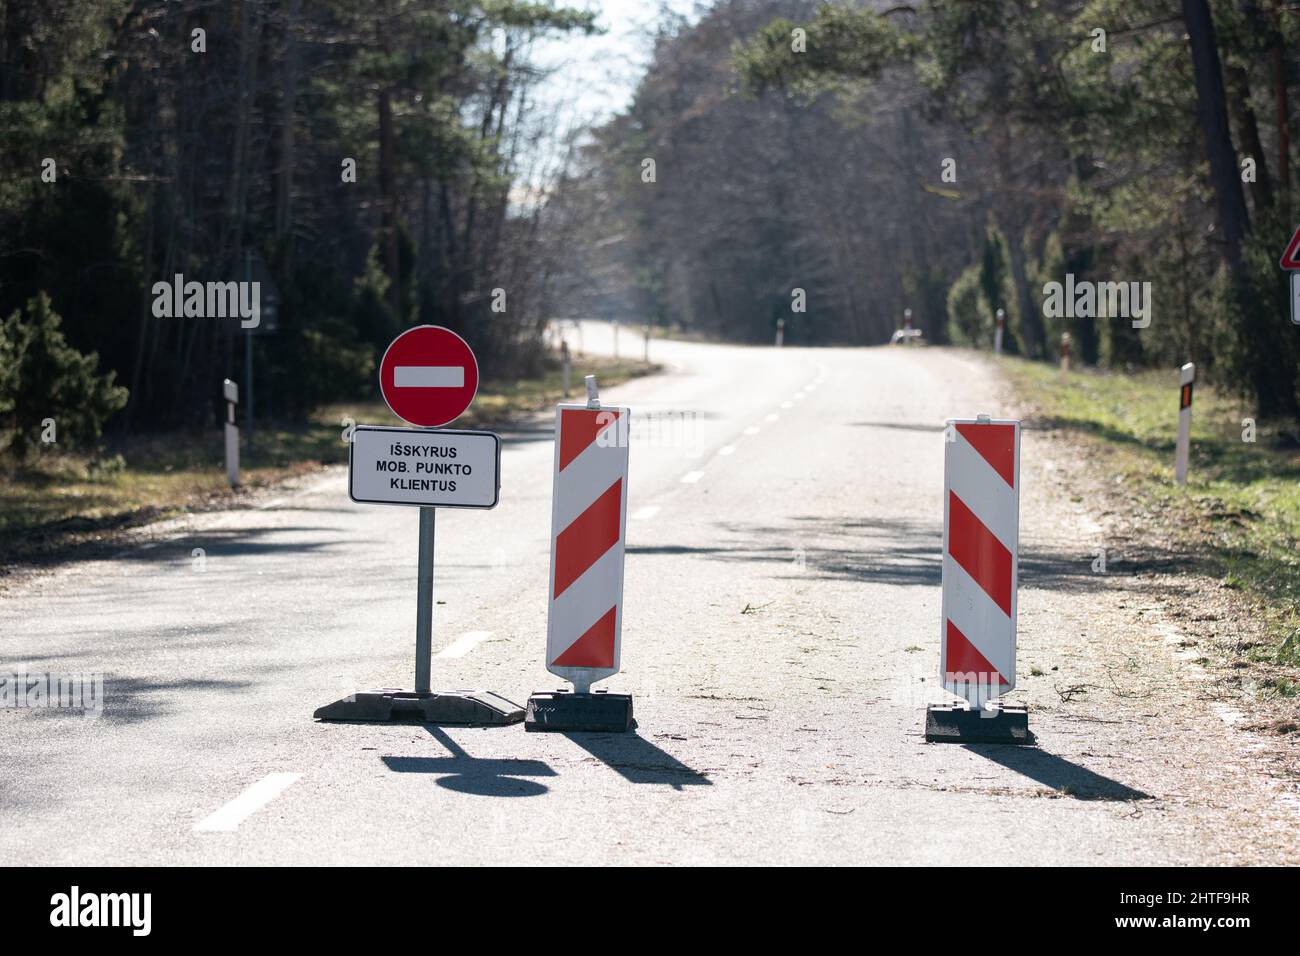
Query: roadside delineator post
x=568 y=366
x=997 y=332
x=981 y=530
x=1065 y=354
x=230 y=391
x=585 y=612
x=1186 y=379
x=780 y=332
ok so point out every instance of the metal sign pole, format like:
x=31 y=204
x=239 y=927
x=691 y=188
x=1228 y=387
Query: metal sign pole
x=248 y=362
x=424 y=603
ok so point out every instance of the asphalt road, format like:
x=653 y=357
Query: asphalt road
x=781 y=628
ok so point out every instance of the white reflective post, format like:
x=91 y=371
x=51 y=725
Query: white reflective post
x=230 y=391
x=1186 y=377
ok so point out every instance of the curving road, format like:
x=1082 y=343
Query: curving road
x=780 y=640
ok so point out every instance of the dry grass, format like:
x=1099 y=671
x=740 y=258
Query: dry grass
x=60 y=503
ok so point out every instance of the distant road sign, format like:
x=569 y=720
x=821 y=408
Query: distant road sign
x=1291 y=258
x=428 y=376
x=447 y=468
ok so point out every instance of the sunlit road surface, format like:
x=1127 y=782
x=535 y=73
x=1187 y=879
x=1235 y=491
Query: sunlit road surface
x=780 y=640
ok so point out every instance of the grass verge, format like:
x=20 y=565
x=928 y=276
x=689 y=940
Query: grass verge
x=58 y=504
x=1238 y=517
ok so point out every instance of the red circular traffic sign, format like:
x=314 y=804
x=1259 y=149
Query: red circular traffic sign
x=428 y=376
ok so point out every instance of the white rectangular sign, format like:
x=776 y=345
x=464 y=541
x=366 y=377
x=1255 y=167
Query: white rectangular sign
x=437 y=467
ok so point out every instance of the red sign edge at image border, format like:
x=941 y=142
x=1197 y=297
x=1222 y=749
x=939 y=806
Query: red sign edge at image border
x=1290 y=260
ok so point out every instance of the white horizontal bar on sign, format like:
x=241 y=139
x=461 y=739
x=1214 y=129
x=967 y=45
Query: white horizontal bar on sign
x=429 y=376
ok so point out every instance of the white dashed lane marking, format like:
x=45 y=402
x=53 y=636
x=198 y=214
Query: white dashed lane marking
x=228 y=818
x=726 y=450
x=752 y=430
x=691 y=477
x=464 y=644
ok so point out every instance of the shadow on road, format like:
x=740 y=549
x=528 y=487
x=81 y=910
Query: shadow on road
x=901 y=426
x=466 y=774
x=238 y=542
x=1066 y=778
x=133 y=699
x=637 y=760
x=877 y=551
x=526 y=432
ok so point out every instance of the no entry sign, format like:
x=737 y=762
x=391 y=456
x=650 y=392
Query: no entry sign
x=428 y=376
x=447 y=468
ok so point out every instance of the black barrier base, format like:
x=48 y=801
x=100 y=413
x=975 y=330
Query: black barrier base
x=463 y=707
x=960 y=724
x=598 y=711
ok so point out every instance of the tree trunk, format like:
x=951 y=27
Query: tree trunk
x=284 y=197
x=388 y=179
x=1283 y=139
x=1248 y=131
x=1212 y=112
x=1272 y=378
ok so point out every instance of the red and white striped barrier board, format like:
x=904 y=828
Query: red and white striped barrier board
x=981 y=527
x=588 y=517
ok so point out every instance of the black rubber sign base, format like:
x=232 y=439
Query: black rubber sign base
x=599 y=711
x=959 y=724
x=469 y=708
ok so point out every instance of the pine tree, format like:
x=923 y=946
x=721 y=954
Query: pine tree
x=42 y=377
